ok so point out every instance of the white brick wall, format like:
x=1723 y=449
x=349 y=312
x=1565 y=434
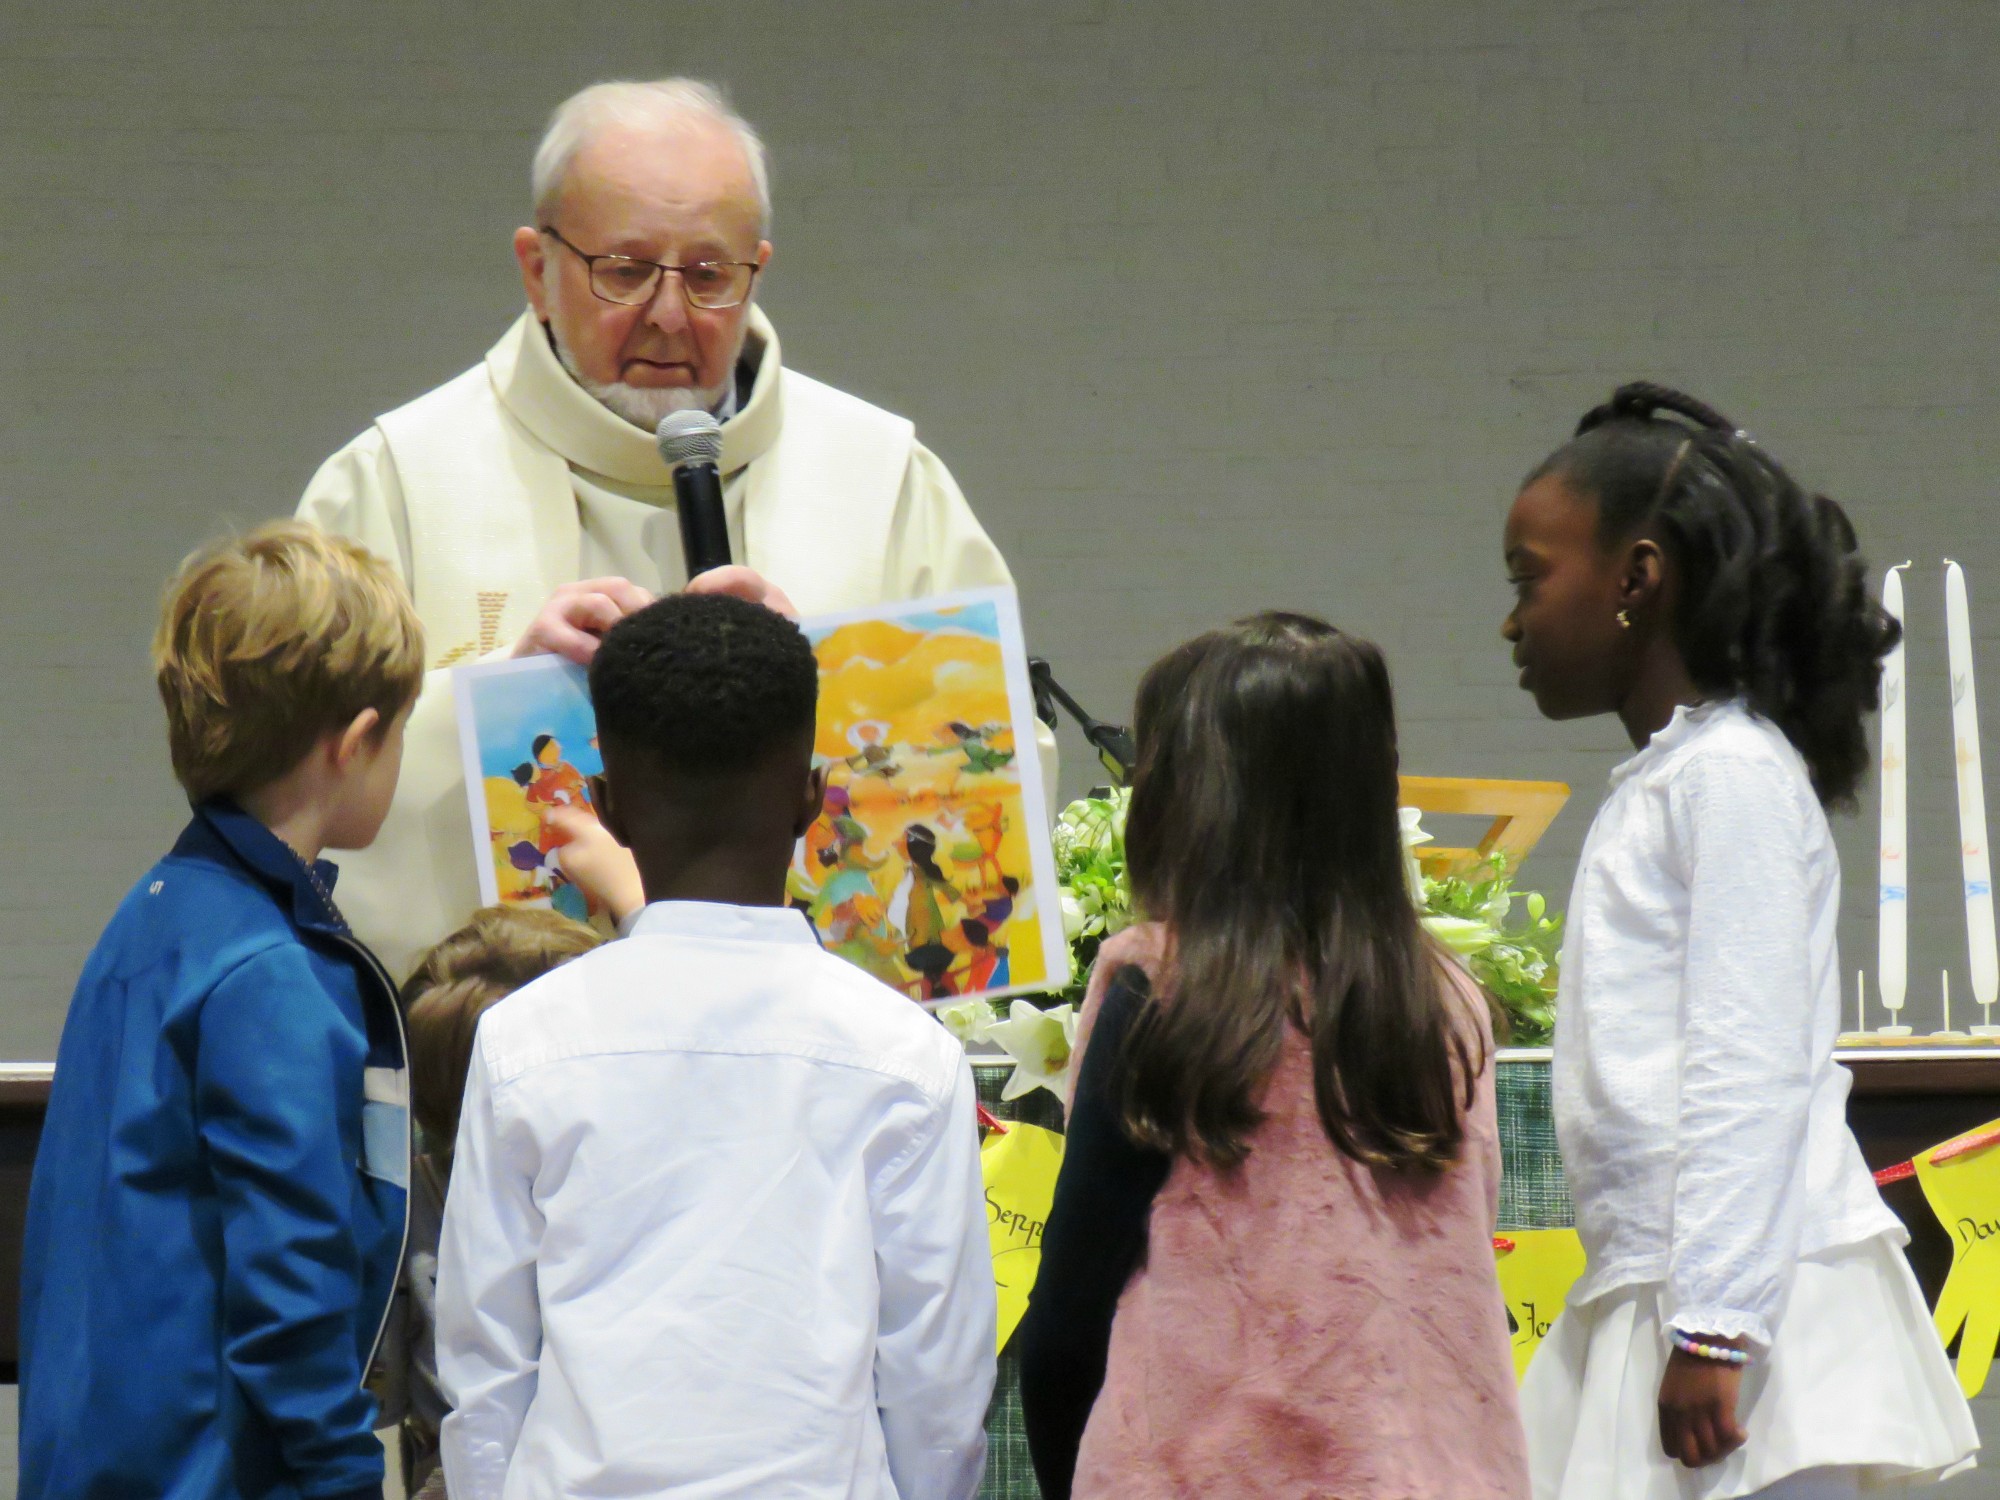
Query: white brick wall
x=1209 y=307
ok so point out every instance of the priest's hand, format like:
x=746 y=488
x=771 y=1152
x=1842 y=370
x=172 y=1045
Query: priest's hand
x=577 y=615
x=744 y=583
x=1698 y=1422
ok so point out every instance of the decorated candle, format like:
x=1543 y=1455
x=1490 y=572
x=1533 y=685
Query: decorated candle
x=1892 y=952
x=1978 y=871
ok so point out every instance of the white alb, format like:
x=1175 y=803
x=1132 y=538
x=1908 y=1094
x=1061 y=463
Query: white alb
x=510 y=480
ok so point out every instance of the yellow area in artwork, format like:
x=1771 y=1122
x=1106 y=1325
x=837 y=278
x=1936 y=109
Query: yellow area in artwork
x=1020 y=1169
x=919 y=870
x=511 y=820
x=1535 y=1276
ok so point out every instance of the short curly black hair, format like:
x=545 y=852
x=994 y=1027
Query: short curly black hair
x=706 y=683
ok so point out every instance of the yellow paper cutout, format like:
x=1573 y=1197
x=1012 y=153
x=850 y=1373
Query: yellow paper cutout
x=1535 y=1277
x=1020 y=1171
x=1964 y=1193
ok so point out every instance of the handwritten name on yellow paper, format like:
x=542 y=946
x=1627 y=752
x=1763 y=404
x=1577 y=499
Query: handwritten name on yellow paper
x=1020 y=1172
x=1963 y=1189
x=1537 y=1269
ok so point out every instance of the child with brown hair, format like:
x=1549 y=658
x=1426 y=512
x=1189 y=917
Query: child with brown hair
x=1268 y=1267
x=457 y=982
x=217 y=1212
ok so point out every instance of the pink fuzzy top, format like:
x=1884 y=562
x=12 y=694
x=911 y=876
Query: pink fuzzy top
x=1306 y=1325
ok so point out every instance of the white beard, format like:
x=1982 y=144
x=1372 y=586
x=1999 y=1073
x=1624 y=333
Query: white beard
x=641 y=405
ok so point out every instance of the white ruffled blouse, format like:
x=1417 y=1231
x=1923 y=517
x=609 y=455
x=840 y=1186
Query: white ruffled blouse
x=1701 y=1115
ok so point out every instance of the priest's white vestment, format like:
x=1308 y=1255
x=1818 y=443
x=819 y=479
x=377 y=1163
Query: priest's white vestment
x=501 y=485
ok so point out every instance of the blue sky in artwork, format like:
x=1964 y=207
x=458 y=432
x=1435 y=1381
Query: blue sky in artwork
x=511 y=708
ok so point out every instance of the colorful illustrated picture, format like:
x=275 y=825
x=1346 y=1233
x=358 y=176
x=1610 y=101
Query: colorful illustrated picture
x=529 y=741
x=931 y=867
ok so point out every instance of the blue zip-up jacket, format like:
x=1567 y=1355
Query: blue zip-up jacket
x=217 y=1212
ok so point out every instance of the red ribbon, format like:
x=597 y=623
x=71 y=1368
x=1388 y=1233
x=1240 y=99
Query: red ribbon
x=1963 y=1145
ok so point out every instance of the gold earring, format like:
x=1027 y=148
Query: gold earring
x=1624 y=620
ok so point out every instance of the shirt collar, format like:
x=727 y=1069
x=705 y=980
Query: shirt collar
x=272 y=861
x=715 y=919
x=560 y=414
x=1689 y=719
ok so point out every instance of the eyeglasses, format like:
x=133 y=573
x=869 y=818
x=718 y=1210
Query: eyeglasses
x=631 y=282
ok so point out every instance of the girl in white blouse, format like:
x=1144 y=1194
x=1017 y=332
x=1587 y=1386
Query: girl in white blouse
x=1747 y=1324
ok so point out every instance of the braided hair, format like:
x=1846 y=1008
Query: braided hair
x=1773 y=604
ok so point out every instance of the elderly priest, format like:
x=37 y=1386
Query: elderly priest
x=526 y=502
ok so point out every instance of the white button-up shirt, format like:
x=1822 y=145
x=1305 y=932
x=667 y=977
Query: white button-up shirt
x=1701 y=1115
x=715 y=1228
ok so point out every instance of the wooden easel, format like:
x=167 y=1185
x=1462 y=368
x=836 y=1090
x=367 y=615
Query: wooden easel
x=1521 y=813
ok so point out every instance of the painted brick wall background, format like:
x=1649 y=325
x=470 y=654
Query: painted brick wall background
x=1209 y=308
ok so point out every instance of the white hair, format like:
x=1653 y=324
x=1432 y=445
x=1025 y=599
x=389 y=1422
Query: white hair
x=579 y=118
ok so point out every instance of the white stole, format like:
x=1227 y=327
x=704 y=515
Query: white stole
x=493 y=518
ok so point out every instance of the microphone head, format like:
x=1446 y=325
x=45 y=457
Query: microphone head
x=689 y=437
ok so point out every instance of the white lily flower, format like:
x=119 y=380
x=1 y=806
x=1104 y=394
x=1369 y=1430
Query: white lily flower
x=1040 y=1043
x=1075 y=919
x=1463 y=935
x=969 y=1020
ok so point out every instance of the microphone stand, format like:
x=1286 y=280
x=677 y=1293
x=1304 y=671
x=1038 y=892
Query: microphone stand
x=1112 y=742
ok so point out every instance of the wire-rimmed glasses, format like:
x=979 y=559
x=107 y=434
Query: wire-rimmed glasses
x=631 y=282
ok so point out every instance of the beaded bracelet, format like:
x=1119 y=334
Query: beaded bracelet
x=1699 y=1350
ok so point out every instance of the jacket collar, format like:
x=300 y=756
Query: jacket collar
x=560 y=414
x=307 y=890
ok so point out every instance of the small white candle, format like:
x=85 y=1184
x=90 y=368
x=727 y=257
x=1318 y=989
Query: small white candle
x=1981 y=950
x=1860 y=1000
x=1892 y=950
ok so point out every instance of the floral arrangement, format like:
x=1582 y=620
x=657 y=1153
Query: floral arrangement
x=1469 y=914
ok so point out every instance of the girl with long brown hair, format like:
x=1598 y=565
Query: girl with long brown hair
x=1268 y=1269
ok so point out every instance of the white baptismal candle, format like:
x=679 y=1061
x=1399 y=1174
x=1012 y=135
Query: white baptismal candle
x=1977 y=865
x=1892 y=949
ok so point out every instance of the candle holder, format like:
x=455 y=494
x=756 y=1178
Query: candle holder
x=1944 y=991
x=1893 y=1027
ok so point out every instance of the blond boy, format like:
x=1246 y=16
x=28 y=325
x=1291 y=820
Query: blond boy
x=218 y=1206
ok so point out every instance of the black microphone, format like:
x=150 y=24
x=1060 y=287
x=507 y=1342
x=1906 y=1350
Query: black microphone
x=691 y=444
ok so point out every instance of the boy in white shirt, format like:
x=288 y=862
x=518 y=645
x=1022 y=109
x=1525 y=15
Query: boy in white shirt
x=715 y=1226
